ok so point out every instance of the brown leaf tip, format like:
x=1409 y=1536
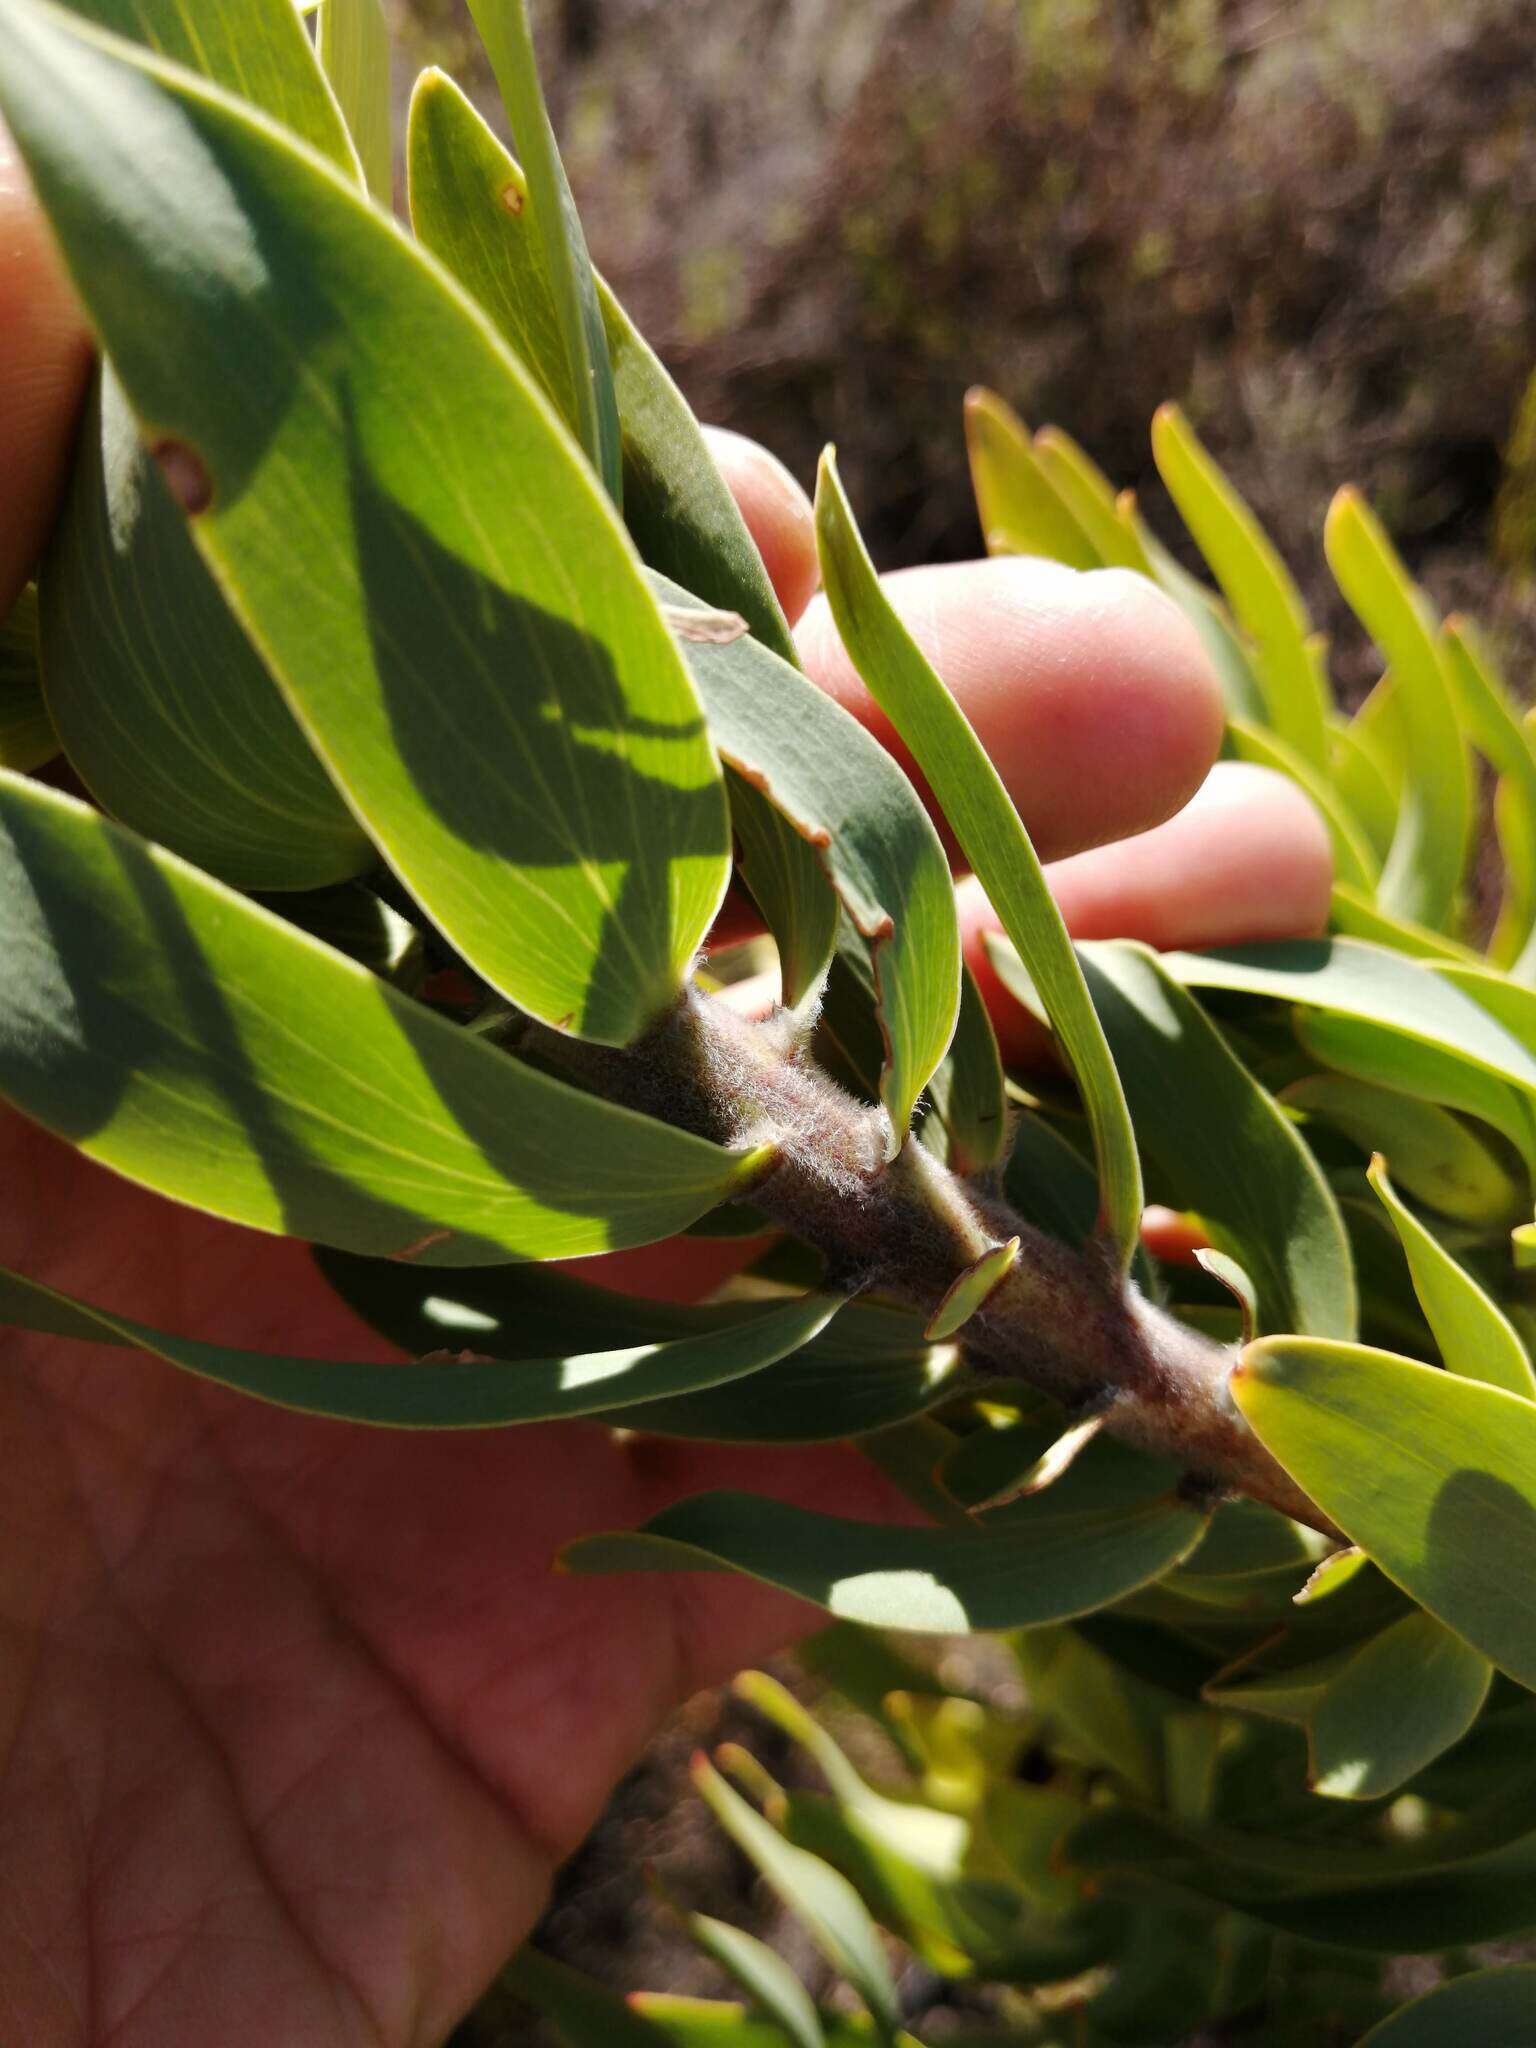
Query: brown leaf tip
x=186 y=476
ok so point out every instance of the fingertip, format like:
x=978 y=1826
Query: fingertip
x=44 y=355
x=1091 y=691
x=777 y=512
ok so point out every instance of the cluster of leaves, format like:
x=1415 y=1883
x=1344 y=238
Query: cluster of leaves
x=426 y=677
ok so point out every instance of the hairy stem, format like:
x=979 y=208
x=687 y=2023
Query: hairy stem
x=1066 y=1321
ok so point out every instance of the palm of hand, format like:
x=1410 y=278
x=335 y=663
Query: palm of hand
x=326 y=1720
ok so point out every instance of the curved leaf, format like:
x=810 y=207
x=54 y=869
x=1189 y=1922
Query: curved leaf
x=1255 y=582
x=202 y=1047
x=1502 y=737
x=1020 y=509
x=968 y=1104
x=27 y=737
x=523 y=742
x=468 y=206
x=973 y=799
x=1431 y=1475
x=1044 y=1565
x=165 y=709
x=1437 y=1156
x=1399 y=1702
x=821 y=1898
x=764 y=1976
x=1221 y=1147
x=1423 y=868
x=503 y=26
x=352 y=38
x=256 y=49
x=447 y=1391
x=1476 y=1339
x=1082 y=485
x=856 y=822
x=1489 y=2006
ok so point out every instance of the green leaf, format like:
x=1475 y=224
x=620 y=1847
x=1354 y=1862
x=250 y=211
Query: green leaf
x=868 y=1370
x=1488 y=712
x=1230 y=658
x=1432 y=1475
x=1489 y=2007
x=167 y=712
x=547 y=790
x=352 y=38
x=466 y=1390
x=854 y=820
x=1255 y=582
x=256 y=49
x=468 y=207
x=202 y=1047
x=27 y=737
x=503 y=26
x=1081 y=485
x=1476 y=1339
x=766 y=1978
x=1423 y=868
x=1386 y=1017
x=1440 y=1158
x=973 y=798
x=968 y=1105
x=821 y=1898
x=1356 y=772
x=971 y=1290
x=1047 y=1563
x=1217 y=1144
x=1397 y=1704
x=1021 y=511
x=586 y=2014
x=1355 y=916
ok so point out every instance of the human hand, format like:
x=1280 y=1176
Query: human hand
x=294 y=1722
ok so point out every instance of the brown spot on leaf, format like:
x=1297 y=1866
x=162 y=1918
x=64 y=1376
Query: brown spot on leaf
x=186 y=476
x=512 y=199
x=423 y=1244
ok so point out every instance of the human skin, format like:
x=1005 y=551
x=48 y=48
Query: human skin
x=295 y=1722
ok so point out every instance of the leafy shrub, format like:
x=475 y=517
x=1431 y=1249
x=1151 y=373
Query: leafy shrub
x=344 y=554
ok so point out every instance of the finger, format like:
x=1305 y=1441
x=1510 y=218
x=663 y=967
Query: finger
x=1091 y=693
x=1247 y=859
x=44 y=352
x=777 y=512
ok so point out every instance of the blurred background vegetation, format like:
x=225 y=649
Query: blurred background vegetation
x=1311 y=221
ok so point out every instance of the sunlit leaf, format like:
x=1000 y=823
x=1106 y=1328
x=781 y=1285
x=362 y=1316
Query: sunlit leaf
x=503 y=26
x=823 y=1900
x=1048 y=1564
x=27 y=737
x=1395 y=1706
x=203 y=1047
x=1082 y=486
x=1440 y=1158
x=1422 y=873
x=166 y=710
x=970 y=1290
x=1434 y=1476
x=1021 y=511
x=469 y=207
x=525 y=746
x=352 y=38
x=765 y=1977
x=453 y=1390
x=1475 y=1337
x=989 y=829
x=1488 y=711
x=1255 y=582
